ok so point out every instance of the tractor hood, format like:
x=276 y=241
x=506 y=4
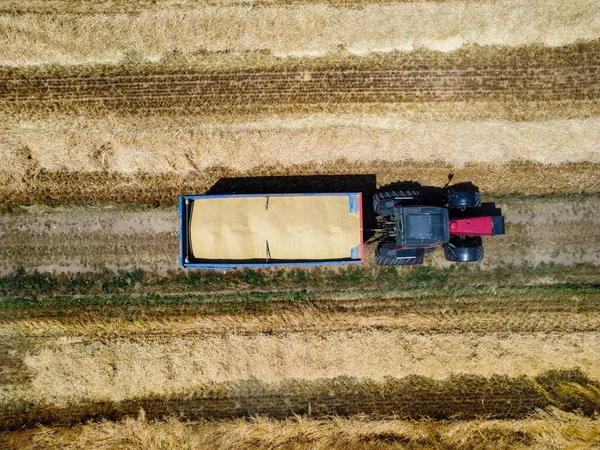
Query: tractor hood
x=422 y=226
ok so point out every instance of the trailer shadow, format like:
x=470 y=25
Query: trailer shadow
x=367 y=184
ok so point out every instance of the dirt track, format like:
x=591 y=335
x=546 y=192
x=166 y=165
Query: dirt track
x=75 y=239
x=91 y=238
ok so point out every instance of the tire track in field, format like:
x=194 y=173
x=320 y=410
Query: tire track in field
x=257 y=90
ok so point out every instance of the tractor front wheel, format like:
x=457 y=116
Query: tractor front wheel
x=463 y=199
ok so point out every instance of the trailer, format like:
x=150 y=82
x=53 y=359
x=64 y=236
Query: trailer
x=230 y=231
x=263 y=230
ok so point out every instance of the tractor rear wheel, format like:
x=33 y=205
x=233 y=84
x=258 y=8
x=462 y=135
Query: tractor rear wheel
x=386 y=255
x=387 y=261
x=378 y=196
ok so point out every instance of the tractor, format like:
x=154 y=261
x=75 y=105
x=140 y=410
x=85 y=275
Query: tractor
x=411 y=228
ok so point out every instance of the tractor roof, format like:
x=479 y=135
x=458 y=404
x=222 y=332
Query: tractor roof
x=421 y=226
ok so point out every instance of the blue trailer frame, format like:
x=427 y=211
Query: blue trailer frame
x=355 y=202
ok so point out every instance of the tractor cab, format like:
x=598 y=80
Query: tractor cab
x=421 y=226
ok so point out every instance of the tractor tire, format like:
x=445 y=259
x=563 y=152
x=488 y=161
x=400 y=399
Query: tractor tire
x=386 y=255
x=464 y=250
x=378 y=196
x=387 y=261
x=463 y=199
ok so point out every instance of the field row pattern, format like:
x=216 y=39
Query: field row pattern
x=463 y=396
x=54 y=187
x=267 y=88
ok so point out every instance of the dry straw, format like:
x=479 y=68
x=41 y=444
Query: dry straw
x=63 y=186
x=159 y=145
x=412 y=397
x=546 y=430
x=303 y=29
x=71 y=369
x=306 y=319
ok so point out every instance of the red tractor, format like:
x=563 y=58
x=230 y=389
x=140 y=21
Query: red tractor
x=412 y=229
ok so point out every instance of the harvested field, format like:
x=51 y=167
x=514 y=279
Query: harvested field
x=458 y=397
x=104 y=353
x=497 y=73
x=66 y=370
x=138 y=362
x=79 y=239
x=412 y=294
x=380 y=314
x=302 y=29
x=281 y=91
x=81 y=7
x=472 y=110
x=109 y=110
x=257 y=114
x=544 y=430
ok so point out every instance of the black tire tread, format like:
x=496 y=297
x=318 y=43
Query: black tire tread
x=381 y=195
x=387 y=261
x=478 y=205
x=480 y=251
